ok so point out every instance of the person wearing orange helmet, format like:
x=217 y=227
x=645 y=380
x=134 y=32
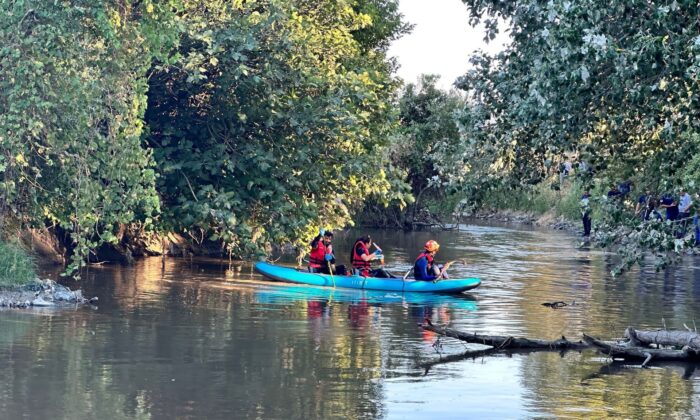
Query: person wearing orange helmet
x=425 y=268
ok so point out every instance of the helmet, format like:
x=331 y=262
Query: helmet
x=432 y=246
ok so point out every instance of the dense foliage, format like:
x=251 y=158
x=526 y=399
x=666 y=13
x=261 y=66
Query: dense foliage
x=615 y=82
x=262 y=120
x=72 y=96
x=274 y=124
x=427 y=135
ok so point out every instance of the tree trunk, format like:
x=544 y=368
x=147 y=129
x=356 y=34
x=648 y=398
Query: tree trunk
x=636 y=348
x=507 y=342
x=665 y=338
x=627 y=352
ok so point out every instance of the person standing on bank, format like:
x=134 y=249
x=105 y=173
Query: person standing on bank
x=586 y=213
x=425 y=267
x=684 y=205
x=642 y=204
x=321 y=258
x=669 y=202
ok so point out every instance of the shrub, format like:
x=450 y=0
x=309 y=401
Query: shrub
x=16 y=266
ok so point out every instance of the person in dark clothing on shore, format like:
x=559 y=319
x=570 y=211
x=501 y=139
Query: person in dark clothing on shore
x=669 y=202
x=586 y=213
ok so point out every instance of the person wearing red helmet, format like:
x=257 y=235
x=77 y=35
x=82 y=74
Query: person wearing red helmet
x=425 y=267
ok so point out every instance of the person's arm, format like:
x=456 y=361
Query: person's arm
x=366 y=257
x=314 y=243
x=421 y=271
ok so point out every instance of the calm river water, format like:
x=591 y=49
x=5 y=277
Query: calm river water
x=201 y=340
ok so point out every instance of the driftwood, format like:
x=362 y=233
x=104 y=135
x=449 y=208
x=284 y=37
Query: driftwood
x=685 y=344
x=555 y=305
x=673 y=338
x=629 y=352
x=506 y=342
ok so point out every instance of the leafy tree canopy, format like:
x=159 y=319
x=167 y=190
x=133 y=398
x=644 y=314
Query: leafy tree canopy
x=614 y=81
x=274 y=122
x=72 y=97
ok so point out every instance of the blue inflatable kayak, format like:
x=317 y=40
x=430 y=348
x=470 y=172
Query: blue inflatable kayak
x=292 y=275
x=289 y=293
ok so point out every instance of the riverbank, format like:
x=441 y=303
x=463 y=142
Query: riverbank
x=547 y=220
x=40 y=294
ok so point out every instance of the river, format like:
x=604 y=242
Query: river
x=202 y=339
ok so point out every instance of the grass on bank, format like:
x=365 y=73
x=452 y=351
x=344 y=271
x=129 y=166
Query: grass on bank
x=539 y=200
x=16 y=265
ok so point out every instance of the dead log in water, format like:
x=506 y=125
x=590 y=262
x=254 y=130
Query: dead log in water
x=685 y=344
x=674 y=338
x=627 y=351
x=506 y=342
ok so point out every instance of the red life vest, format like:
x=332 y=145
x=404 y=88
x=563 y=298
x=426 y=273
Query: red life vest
x=317 y=258
x=428 y=257
x=358 y=262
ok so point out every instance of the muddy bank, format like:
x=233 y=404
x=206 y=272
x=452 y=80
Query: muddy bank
x=42 y=293
x=55 y=245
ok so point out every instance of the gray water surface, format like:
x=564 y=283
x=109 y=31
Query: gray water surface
x=203 y=339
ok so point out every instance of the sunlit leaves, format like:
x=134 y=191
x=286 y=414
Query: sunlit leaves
x=72 y=83
x=614 y=82
x=274 y=125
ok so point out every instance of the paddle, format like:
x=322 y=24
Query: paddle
x=446 y=266
x=330 y=270
x=380 y=252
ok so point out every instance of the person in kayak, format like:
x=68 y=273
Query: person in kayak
x=361 y=259
x=425 y=268
x=321 y=258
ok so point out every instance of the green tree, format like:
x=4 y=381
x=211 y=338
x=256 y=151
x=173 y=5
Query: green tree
x=615 y=81
x=420 y=152
x=272 y=125
x=72 y=96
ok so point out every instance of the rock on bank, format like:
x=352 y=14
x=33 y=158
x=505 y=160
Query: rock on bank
x=42 y=293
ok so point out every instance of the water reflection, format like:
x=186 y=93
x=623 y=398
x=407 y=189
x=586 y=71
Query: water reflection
x=204 y=338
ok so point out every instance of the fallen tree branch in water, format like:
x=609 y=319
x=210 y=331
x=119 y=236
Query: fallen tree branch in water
x=630 y=352
x=636 y=347
x=664 y=338
x=501 y=342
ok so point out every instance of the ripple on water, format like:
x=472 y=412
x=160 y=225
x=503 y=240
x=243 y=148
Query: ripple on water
x=205 y=339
